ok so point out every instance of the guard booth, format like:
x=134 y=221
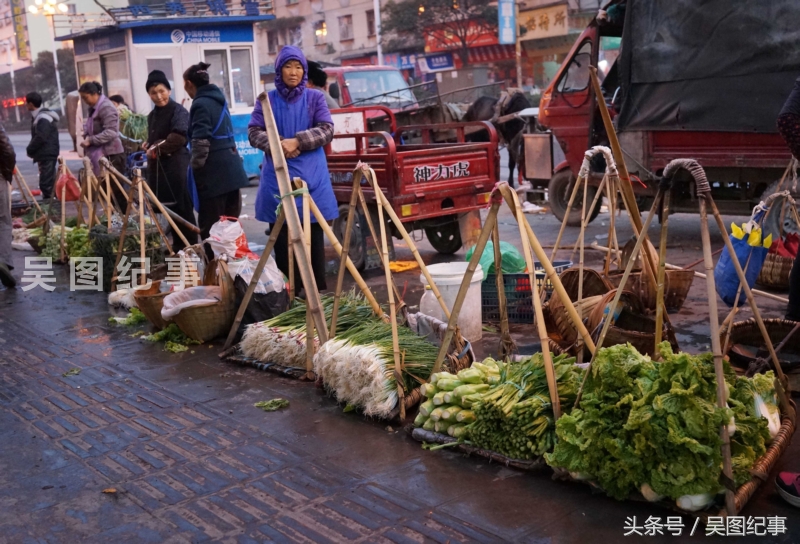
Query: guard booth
x=171 y=37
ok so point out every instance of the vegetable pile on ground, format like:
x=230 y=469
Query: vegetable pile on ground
x=174 y=339
x=654 y=427
x=509 y=412
x=282 y=339
x=76 y=241
x=358 y=365
x=134 y=317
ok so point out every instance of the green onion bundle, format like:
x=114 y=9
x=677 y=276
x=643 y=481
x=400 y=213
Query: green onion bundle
x=358 y=365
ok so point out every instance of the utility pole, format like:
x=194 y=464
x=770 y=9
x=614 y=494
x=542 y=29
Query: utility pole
x=10 y=63
x=376 y=6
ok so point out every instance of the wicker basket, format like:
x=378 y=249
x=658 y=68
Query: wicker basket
x=204 y=323
x=593 y=283
x=746 y=344
x=630 y=327
x=150 y=301
x=595 y=286
x=775 y=272
x=676 y=287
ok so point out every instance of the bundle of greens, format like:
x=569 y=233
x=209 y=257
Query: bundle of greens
x=174 y=339
x=450 y=397
x=358 y=365
x=77 y=242
x=133 y=125
x=654 y=427
x=134 y=317
x=515 y=417
x=282 y=339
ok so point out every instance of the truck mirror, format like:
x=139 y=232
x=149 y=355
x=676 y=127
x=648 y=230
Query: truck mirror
x=333 y=90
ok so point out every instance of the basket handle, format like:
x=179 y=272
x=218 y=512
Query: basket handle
x=224 y=280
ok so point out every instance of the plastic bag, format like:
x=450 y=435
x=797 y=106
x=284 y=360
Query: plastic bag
x=193 y=296
x=513 y=261
x=73 y=187
x=747 y=242
x=262 y=306
x=227 y=237
x=271 y=280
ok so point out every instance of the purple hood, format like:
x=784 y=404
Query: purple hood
x=290 y=52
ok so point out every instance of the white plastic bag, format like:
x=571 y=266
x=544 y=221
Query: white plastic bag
x=193 y=296
x=227 y=237
x=271 y=280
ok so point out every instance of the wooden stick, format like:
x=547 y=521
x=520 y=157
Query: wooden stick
x=612 y=231
x=90 y=198
x=251 y=287
x=452 y=322
x=62 y=252
x=26 y=190
x=142 y=239
x=727 y=467
x=290 y=251
x=349 y=263
x=662 y=261
x=552 y=275
x=123 y=232
x=109 y=213
x=307 y=242
x=550 y=372
x=398 y=368
x=149 y=209
x=566 y=217
x=507 y=345
x=609 y=318
x=585 y=217
x=348 y=230
x=747 y=292
x=387 y=206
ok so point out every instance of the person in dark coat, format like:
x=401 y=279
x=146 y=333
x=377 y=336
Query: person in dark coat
x=8 y=161
x=306 y=127
x=167 y=154
x=215 y=163
x=789 y=127
x=44 y=146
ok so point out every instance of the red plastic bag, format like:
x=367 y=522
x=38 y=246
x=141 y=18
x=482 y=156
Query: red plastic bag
x=73 y=187
x=227 y=237
x=787 y=247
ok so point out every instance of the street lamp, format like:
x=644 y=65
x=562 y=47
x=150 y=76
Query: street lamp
x=48 y=8
x=8 y=46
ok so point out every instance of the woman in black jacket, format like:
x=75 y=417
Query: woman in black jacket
x=216 y=166
x=167 y=154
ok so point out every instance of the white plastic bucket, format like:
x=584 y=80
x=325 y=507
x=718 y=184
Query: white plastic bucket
x=448 y=278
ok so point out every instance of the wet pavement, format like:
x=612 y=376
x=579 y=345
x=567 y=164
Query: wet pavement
x=190 y=459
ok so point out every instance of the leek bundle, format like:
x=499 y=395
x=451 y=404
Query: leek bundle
x=282 y=339
x=358 y=365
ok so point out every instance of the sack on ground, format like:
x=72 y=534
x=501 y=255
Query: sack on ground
x=262 y=306
x=271 y=280
x=193 y=296
x=227 y=237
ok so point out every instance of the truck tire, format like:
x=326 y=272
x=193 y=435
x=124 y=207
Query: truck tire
x=558 y=192
x=771 y=223
x=358 y=247
x=446 y=238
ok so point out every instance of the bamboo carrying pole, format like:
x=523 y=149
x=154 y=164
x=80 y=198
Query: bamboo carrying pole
x=300 y=184
x=313 y=303
x=398 y=369
x=62 y=251
x=142 y=239
x=251 y=287
x=550 y=373
x=348 y=230
x=578 y=182
x=107 y=180
x=123 y=232
x=507 y=345
x=26 y=190
x=662 y=261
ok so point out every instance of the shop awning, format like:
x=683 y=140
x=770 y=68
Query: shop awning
x=490 y=53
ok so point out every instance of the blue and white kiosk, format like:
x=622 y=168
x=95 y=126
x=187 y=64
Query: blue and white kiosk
x=171 y=37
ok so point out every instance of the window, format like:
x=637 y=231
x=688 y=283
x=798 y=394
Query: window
x=72 y=9
x=218 y=72
x=272 y=42
x=292 y=2
x=384 y=87
x=295 y=36
x=346 y=28
x=232 y=71
x=242 y=78
x=320 y=33
x=576 y=78
x=115 y=75
x=371 y=23
x=89 y=70
x=165 y=65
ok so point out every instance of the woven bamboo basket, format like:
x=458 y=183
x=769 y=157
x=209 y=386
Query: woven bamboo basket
x=204 y=323
x=632 y=326
x=746 y=344
x=559 y=326
x=150 y=301
x=593 y=282
x=775 y=272
x=676 y=287
x=567 y=331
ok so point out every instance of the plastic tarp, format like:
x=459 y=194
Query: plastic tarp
x=716 y=65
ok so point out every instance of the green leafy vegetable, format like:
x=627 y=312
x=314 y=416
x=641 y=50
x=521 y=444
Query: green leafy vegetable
x=272 y=405
x=134 y=317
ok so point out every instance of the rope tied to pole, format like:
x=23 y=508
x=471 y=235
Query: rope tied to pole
x=611 y=165
x=291 y=194
x=693 y=167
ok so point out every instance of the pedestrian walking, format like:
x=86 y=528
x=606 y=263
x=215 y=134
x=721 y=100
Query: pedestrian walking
x=167 y=154
x=789 y=127
x=318 y=79
x=216 y=169
x=8 y=161
x=44 y=146
x=101 y=132
x=305 y=126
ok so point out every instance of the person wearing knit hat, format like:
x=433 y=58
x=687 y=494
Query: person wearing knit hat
x=167 y=154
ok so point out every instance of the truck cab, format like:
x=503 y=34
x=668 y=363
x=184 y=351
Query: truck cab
x=368 y=85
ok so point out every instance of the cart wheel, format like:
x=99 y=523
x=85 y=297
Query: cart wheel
x=358 y=248
x=558 y=192
x=446 y=239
